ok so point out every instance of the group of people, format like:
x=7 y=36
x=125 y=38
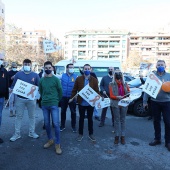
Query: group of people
x=62 y=91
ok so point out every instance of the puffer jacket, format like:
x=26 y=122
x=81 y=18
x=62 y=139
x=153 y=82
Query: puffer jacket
x=67 y=83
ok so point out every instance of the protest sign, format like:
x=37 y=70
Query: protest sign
x=50 y=46
x=25 y=89
x=94 y=99
x=152 y=85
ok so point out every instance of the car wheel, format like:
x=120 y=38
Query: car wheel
x=139 y=110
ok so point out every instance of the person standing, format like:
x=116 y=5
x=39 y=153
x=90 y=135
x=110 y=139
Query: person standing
x=104 y=88
x=12 y=99
x=4 y=92
x=51 y=93
x=160 y=106
x=67 y=81
x=118 y=88
x=21 y=102
x=84 y=106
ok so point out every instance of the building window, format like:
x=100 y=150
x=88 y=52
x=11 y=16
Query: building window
x=2 y=10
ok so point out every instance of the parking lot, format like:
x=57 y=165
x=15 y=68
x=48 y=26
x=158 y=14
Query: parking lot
x=27 y=153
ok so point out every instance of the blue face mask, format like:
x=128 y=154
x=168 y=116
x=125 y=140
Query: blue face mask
x=160 y=69
x=86 y=72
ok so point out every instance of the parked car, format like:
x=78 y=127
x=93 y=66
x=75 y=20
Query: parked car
x=136 y=107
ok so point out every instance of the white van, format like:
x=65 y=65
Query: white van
x=100 y=67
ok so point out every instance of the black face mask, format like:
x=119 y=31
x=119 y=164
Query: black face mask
x=110 y=73
x=48 y=71
x=118 y=76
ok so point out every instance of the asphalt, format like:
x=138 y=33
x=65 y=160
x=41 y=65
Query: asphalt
x=28 y=154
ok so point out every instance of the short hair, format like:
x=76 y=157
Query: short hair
x=67 y=66
x=48 y=62
x=54 y=69
x=27 y=61
x=86 y=65
x=161 y=61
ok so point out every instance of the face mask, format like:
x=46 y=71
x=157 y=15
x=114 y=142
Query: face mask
x=1 y=62
x=160 y=69
x=71 y=70
x=48 y=71
x=110 y=73
x=14 y=69
x=118 y=76
x=27 y=68
x=86 y=72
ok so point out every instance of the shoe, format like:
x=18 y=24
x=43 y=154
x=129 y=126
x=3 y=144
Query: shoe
x=97 y=118
x=150 y=118
x=79 y=138
x=1 y=140
x=74 y=130
x=33 y=135
x=122 y=140
x=101 y=124
x=11 y=114
x=92 y=138
x=58 y=149
x=15 y=137
x=48 y=144
x=116 y=140
x=62 y=128
x=155 y=142
x=167 y=145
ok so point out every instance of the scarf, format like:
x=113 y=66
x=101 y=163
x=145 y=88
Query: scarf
x=120 y=88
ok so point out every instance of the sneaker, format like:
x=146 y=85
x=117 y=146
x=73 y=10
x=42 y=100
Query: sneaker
x=1 y=140
x=74 y=130
x=101 y=124
x=33 y=135
x=62 y=128
x=92 y=138
x=15 y=137
x=79 y=138
x=48 y=144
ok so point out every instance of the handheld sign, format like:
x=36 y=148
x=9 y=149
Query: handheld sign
x=25 y=89
x=152 y=85
x=94 y=99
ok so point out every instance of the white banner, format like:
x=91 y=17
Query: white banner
x=152 y=85
x=146 y=66
x=25 y=89
x=126 y=101
x=94 y=99
x=50 y=46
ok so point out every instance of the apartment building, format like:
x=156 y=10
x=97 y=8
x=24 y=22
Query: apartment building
x=2 y=26
x=151 y=46
x=97 y=44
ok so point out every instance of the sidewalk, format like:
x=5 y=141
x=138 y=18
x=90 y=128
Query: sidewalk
x=28 y=154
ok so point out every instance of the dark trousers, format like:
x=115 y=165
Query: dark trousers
x=72 y=106
x=82 y=110
x=103 y=115
x=159 y=108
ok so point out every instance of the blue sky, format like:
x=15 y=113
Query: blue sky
x=61 y=16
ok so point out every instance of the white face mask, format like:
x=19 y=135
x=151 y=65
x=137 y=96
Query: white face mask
x=14 y=69
x=71 y=70
x=27 y=68
x=1 y=62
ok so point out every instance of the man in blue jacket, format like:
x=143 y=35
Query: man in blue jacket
x=3 y=87
x=67 y=81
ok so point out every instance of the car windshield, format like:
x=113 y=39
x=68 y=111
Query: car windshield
x=135 y=82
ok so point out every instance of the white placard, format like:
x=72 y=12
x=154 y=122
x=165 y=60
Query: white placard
x=126 y=101
x=25 y=89
x=93 y=98
x=50 y=46
x=152 y=85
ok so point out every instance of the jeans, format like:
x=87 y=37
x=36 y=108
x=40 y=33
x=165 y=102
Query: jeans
x=1 y=108
x=72 y=106
x=82 y=110
x=54 y=112
x=20 y=107
x=103 y=115
x=159 y=108
x=119 y=120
